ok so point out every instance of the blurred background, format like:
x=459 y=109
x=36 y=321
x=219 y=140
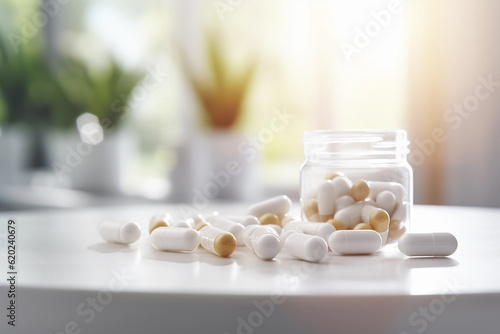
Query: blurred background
x=115 y=102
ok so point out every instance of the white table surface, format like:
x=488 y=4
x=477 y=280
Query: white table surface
x=64 y=265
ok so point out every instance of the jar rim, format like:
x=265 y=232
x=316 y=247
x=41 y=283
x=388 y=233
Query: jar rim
x=362 y=134
x=346 y=144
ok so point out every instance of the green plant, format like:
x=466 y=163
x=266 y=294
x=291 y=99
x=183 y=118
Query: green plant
x=33 y=94
x=104 y=93
x=26 y=86
x=222 y=96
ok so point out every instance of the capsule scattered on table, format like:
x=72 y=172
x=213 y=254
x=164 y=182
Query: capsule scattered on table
x=175 y=239
x=278 y=205
x=355 y=242
x=215 y=240
x=305 y=247
x=118 y=231
x=428 y=244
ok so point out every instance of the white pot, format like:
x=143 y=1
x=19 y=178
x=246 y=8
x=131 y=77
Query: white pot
x=217 y=165
x=95 y=168
x=15 y=152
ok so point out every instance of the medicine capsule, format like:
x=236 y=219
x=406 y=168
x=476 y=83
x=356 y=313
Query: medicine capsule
x=285 y=235
x=235 y=229
x=160 y=220
x=305 y=247
x=337 y=224
x=119 y=231
x=396 y=229
x=362 y=226
x=174 y=239
x=322 y=230
x=387 y=201
x=265 y=242
x=360 y=191
x=186 y=223
x=350 y=216
x=269 y=219
x=245 y=220
x=355 y=242
x=197 y=219
x=277 y=228
x=215 y=240
x=287 y=219
x=311 y=209
x=400 y=212
x=331 y=176
x=376 y=187
x=377 y=218
x=278 y=205
x=247 y=233
x=343 y=202
x=326 y=200
x=428 y=244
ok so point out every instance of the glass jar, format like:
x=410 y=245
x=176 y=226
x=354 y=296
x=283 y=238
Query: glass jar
x=350 y=177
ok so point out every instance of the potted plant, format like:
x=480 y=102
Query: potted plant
x=95 y=166
x=27 y=92
x=205 y=158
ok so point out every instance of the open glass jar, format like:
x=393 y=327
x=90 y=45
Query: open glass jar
x=358 y=179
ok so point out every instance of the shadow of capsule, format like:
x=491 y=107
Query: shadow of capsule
x=175 y=257
x=108 y=247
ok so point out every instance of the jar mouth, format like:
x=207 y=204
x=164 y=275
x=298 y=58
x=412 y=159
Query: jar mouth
x=356 y=144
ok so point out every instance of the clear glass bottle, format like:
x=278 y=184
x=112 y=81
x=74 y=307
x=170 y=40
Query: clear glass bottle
x=375 y=162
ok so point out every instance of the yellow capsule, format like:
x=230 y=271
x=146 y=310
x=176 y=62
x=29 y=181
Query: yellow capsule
x=360 y=190
x=379 y=220
x=396 y=229
x=362 y=226
x=269 y=219
x=215 y=240
x=160 y=220
x=311 y=207
x=337 y=224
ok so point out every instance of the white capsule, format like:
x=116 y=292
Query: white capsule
x=326 y=199
x=428 y=244
x=376 y=187
x=401 y=212
x=186 y=223
x=118 y=231
x=175 y=239
x=285 y=235
x=265 y=242
x=160 y=220
x=278 y=205
x=321 y=230
x=287 y=219
x=235 y=229
x=305 y=247
x=355 y=242
x=245 y=220
x=293 y=225
x=386 y=200
x=377 y=218
x=215 y=240
x=350 y=216
x=342 y=185
x=247 y=233
x=277 y=228
x=343 y=202
x=197 y=219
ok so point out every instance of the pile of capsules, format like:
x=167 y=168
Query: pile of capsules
x=267 y=228
x=362 y=205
